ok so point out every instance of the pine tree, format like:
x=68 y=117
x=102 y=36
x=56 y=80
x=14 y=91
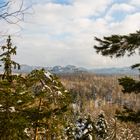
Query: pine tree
x=101 y=127
x=13 y=98
x=7 y=61
x=83 y=129
x=118 y=46
x=49 y=111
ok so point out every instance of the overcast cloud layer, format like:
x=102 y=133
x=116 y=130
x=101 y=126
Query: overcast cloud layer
x=61 y=32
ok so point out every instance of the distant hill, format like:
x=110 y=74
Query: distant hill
x=122 y=71
x=74 y=69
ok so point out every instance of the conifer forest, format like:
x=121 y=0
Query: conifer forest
x=41 y=104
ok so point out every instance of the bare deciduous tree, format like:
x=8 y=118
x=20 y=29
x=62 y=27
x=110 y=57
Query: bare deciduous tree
x=10 y=14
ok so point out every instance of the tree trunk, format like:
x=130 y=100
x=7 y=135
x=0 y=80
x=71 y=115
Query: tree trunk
x=36 y=129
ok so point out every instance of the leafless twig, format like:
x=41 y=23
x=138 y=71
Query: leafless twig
x=12 y=17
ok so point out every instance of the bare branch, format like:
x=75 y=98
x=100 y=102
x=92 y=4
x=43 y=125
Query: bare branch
x=12 y=17
x=4 y=4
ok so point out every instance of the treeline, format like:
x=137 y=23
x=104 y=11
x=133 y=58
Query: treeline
x=99 y=88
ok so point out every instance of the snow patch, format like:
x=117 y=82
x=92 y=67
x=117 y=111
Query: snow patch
x=48 y=75
x=12 y=109
x=59 y=93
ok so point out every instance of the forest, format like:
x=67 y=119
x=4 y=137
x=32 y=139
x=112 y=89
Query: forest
x=85 y=106
x=41 y=105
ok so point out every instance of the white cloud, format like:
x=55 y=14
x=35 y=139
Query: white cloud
x=121 y=7
x=59 y=34
x=118 y=10
x=128 y=25
x=135 y=2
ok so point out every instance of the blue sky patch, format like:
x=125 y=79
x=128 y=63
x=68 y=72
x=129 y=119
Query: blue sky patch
x=121 y=1
x=64 y=2
x=118 y=16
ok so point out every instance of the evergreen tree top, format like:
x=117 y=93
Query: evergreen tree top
x=6 y=59
x=119 y=45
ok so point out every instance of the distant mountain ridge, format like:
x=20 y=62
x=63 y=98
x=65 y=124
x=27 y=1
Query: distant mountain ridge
x=73 y=69
x=121 y=71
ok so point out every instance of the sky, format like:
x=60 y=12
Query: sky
x=61 y=32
